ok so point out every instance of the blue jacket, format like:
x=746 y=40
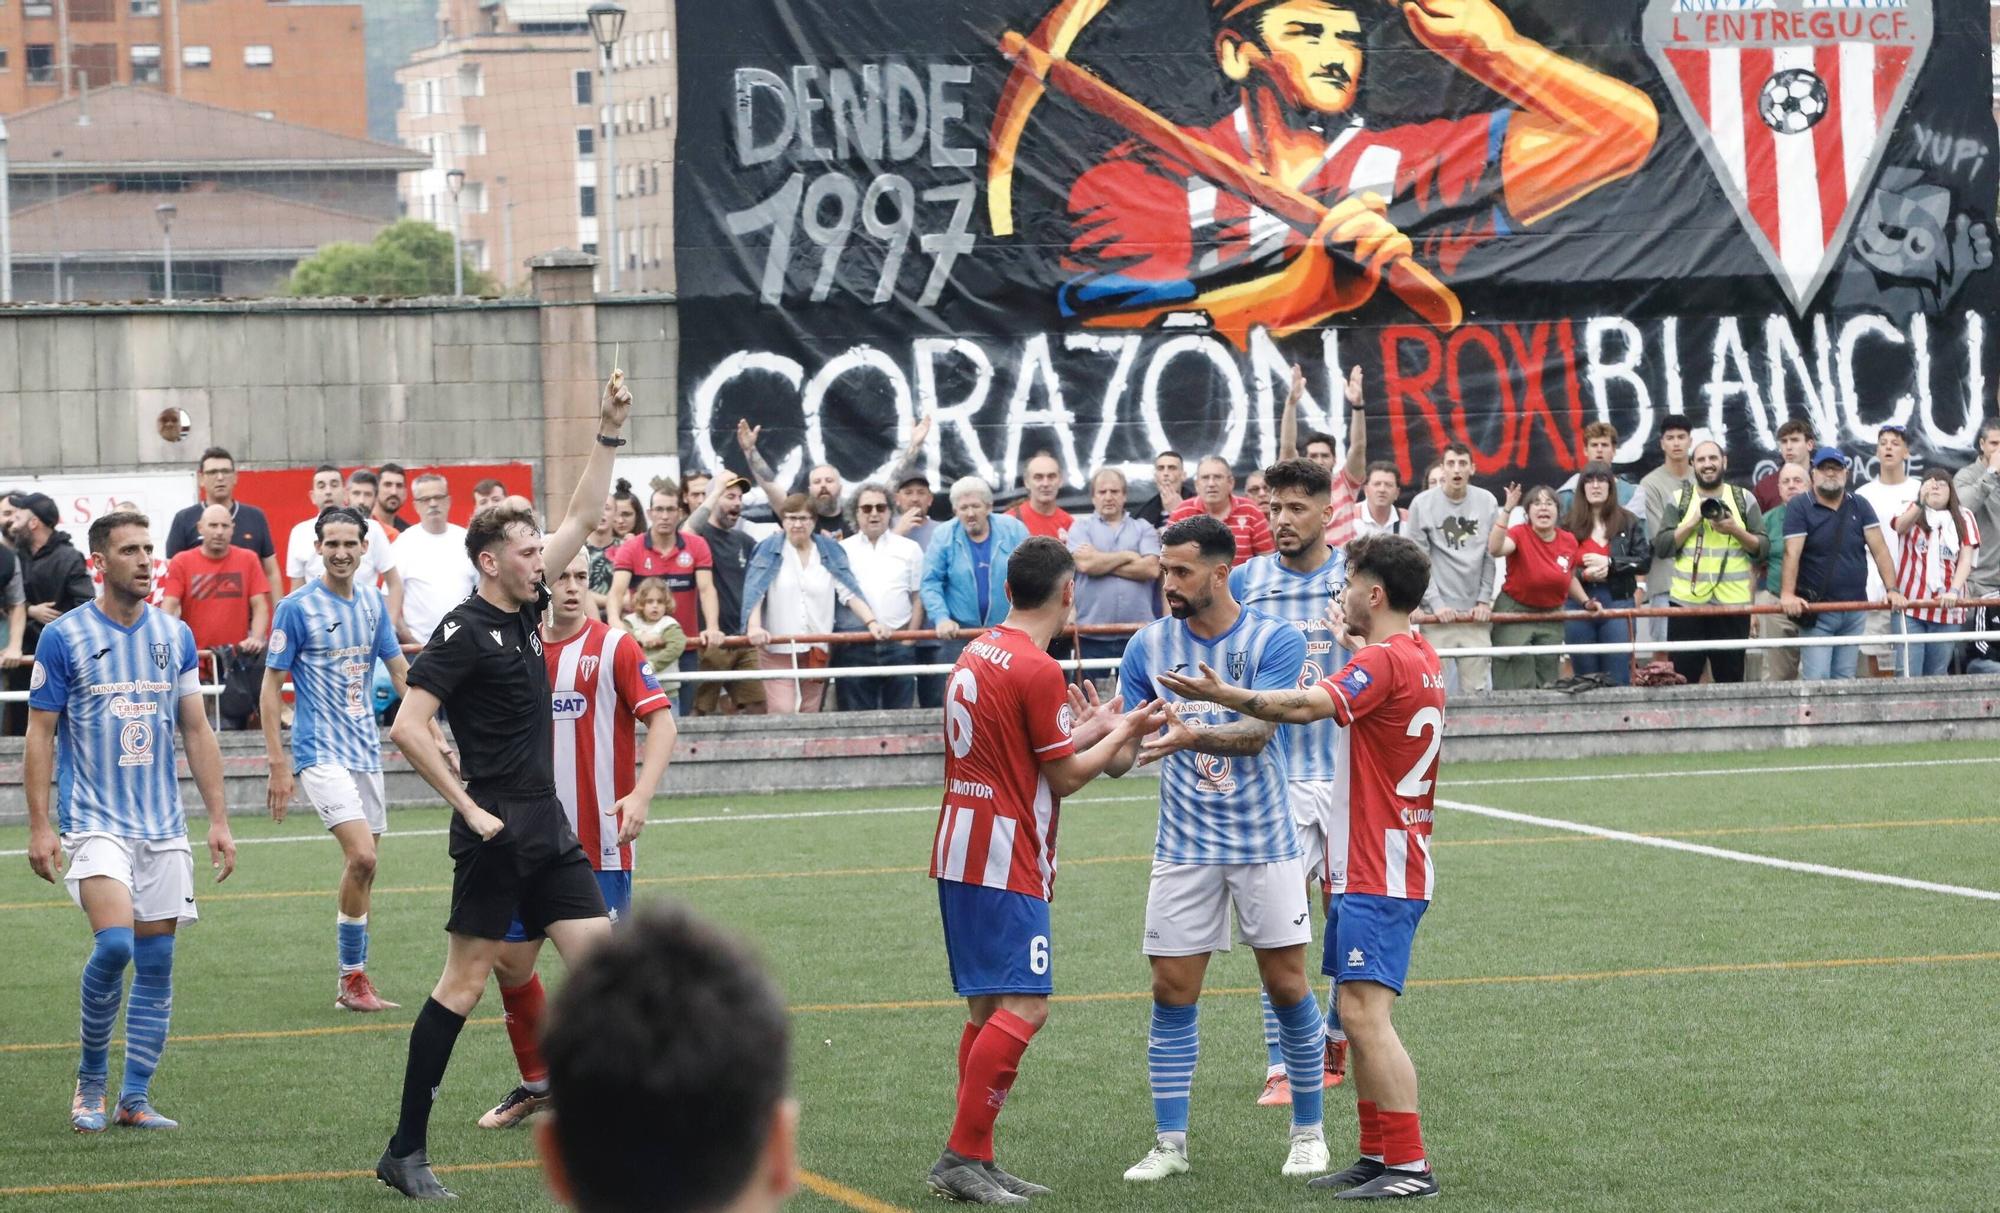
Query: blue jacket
x=763 y=569
x=951 y=588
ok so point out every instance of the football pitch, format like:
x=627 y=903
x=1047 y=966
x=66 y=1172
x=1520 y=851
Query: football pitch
x=1599 y=1021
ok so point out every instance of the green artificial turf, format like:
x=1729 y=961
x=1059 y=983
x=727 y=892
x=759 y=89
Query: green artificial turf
x=1596 y=1024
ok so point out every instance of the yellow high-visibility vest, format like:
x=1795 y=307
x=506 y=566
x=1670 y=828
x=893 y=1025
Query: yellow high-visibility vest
x=1713 y=569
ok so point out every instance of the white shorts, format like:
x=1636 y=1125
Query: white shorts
x=159 y=873
x=1187 y=907
x=1312 y=804
x=1876 y=623
x=341 y=796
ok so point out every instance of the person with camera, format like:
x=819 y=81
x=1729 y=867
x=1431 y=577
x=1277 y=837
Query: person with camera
x=1714 y=533
x=1829 y=540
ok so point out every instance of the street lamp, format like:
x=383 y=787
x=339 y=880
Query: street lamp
x=165 y=213
x=6 y=225
x=506 y=233
x=606 y=20
x=455 y=181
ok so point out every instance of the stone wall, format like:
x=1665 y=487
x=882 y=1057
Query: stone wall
x=299 y=382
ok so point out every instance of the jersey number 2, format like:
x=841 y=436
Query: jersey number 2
x=1418 y=782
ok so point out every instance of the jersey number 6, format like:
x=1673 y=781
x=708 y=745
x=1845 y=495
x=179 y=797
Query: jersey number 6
x=958 y=703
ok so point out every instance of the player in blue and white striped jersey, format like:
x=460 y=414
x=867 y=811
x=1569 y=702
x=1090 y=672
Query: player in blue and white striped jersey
x=1225 y=838
x=1301 y=584
x=327 y=635
x=113 y=682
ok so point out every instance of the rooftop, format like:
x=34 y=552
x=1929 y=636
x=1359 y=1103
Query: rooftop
x=138 y=128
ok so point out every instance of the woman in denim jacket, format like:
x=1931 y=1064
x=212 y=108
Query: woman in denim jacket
x=791 y=584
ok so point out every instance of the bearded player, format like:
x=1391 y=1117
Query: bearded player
x=1300 y=583
x=599 y=686
x=1390 y=702
x=1150 y=238
x=1019 y=739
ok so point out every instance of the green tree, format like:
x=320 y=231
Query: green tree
x=409 y=257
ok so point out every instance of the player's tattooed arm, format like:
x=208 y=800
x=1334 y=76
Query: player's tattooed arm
x=1288 y=707
x=1237 y=739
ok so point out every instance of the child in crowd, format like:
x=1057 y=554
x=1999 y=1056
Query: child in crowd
x=659 y=634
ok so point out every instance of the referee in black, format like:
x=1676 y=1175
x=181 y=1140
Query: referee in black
x=513 y=851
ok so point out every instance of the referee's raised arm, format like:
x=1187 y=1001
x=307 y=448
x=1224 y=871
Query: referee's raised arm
x=586 y=504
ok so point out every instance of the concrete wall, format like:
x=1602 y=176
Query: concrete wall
x=298 y=382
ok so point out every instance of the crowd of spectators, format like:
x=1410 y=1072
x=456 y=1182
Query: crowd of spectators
x=684 y=570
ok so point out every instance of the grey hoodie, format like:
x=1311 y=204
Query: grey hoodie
x=1453 y=534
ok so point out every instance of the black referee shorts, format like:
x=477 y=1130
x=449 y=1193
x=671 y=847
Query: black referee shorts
x=534 y=869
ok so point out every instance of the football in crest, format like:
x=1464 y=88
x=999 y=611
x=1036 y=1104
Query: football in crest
x=1792 y=101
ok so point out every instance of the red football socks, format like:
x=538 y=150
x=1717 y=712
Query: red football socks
x=524 y=1005
x=1371 y=1128
x=990 y=1067
x=965 y=1040
x=1402 y=1140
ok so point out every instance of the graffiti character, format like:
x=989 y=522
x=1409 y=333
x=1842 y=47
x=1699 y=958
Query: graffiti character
x=1914 y=255
x=1151 y=238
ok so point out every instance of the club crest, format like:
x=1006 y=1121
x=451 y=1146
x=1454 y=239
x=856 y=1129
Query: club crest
x=1237 y=661
x=586 y=668
x=160 y=654
x=1793 y=103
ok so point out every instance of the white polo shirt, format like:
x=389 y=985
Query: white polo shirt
x=890 y=569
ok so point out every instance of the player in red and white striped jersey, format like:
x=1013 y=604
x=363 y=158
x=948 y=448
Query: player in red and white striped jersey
x=600 y=687
x=1018 y=739
x=1389 y=702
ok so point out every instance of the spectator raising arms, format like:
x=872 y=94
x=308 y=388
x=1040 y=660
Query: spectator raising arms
x=1541 y=576
x=1940 y=543
x=1613 y=553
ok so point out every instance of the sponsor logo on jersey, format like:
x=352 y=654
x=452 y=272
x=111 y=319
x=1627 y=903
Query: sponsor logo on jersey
x=125 y=709
x=568 y=705
x=278 y=642
x=136 y=740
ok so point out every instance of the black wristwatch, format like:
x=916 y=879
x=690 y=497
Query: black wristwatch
x=607 y=440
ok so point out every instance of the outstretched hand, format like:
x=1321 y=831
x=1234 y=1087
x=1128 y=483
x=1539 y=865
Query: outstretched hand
x=1175 y=737
x=1209 y=687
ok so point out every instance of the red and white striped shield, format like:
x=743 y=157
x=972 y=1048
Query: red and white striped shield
x=1793 y=102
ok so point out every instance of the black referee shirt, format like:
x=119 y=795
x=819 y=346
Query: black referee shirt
x=485 y=665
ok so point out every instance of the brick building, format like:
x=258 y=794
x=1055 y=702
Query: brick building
x=301 y=63
x=512 y=95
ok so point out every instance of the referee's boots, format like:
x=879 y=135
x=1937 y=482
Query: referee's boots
x=411 y=1175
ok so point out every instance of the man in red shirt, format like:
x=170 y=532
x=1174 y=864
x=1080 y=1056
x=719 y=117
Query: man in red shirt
x=219 y=589
x=680 y=558
x=1018 y=739
x=1039 y=512
x=1390 y=700
x=1215 y=495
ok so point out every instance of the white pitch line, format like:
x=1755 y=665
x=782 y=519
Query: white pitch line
x=716 y=818
x=660 y=822
x=1790 y=770
x=1695 y=848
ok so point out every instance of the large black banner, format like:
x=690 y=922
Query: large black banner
x=1108 y=227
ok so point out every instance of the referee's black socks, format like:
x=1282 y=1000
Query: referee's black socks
x=431 y=1041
